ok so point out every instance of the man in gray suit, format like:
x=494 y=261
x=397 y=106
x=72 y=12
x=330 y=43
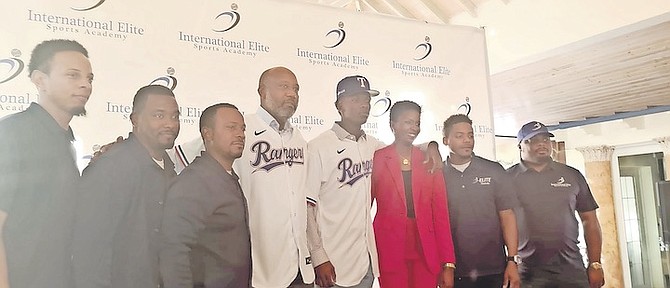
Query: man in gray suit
x=205 y=222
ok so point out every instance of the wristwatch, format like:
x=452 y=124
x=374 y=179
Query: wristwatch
x=596 y=265
x=516 y=259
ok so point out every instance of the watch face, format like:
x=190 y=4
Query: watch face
x=517 y=259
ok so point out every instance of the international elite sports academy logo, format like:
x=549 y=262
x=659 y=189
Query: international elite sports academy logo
x=379 y=107
x=331 y=40
x=226 y=20
x=218 y=40
x=168 y=80
x=336 y=36
x=422 y=50
x=382 y=105
x=465 y=108
x=421 y=64
x=79 y=23
x=561 y=183
x=11 y=67
x=188 y=114
x=12 y=101
x=86 y=5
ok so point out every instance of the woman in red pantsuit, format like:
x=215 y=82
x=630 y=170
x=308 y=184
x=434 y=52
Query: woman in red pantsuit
x=412 y=223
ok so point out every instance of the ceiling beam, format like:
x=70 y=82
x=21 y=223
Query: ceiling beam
x=367 y=4
x=397 y=8
x=439 y=13
x=352 y=5
x=469 y=7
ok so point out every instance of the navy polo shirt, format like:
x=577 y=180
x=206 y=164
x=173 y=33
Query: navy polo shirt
x=548 y=227
x=476 y=195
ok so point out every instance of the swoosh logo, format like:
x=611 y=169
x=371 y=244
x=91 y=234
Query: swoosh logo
x=15 y=68
x=234 y=20
x=380 y=107
x=426 y=48
x=259 y=132
x=89 y=8
x=340 y=37
x=466 y=108
x=340 y=151
x=167 y=81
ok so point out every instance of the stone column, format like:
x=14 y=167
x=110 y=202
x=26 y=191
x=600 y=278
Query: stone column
x=665 y=145
x=597 y=160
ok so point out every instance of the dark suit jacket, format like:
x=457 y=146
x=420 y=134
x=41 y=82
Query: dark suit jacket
x=206 y=229
x=430 y=206
x=118 y=218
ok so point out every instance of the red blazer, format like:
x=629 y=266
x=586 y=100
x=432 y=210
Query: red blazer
x=430 y=209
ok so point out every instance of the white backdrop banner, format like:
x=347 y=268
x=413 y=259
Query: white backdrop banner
x=214 y=51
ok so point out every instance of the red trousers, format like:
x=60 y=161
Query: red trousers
x=416 y=274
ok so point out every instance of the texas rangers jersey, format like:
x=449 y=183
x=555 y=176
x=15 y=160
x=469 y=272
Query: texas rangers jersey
x=272 y=175
x=338 y=182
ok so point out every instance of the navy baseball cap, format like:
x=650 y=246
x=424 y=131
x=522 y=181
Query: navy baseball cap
x=531 y=129
x=351 y=85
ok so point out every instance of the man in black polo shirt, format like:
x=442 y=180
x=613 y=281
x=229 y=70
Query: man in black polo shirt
x=550 y=193
x=481 y=199
x=38 y=170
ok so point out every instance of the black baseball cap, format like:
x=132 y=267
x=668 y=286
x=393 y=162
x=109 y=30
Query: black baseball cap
x=531 y=129
x=351 y=85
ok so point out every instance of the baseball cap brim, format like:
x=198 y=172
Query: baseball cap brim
x=372 y=93
x=533 y=134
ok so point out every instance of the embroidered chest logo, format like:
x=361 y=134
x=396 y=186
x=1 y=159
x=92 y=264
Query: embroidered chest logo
x=267 y=158
x=482 y=180
x=561 y=183
x=352 y=172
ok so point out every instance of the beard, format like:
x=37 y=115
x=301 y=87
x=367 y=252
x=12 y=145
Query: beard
x=79 y=112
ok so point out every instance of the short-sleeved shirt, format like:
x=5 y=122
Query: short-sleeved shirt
x=38 y=174
x=548 y=227
x=476 y=195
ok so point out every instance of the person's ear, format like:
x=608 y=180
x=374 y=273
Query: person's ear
x=207 y=134
x=133 y=119
x=38 y=78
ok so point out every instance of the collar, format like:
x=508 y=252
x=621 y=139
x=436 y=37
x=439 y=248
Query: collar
x=208 y=158
x=471 y=165
x=139 y=149
x=343 y=134
x=47 y=120
x=272 y=122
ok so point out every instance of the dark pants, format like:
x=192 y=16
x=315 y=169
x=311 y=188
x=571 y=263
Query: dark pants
x=553 y=276
x=485 y=281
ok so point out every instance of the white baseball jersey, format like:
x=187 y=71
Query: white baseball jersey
x=338 y=182
x=272 y=175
